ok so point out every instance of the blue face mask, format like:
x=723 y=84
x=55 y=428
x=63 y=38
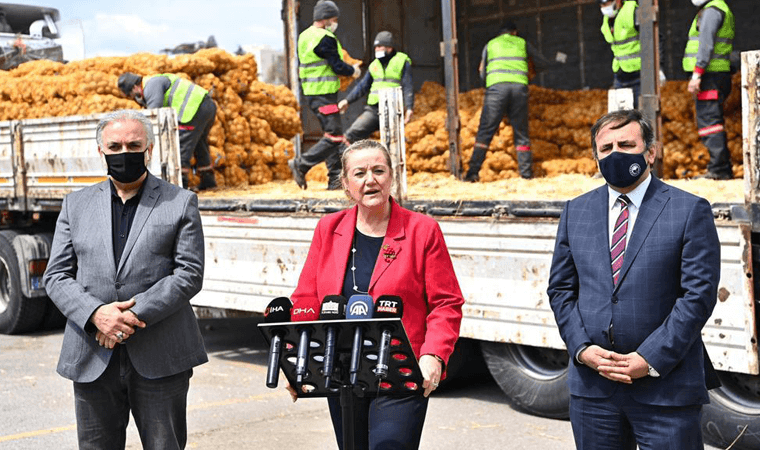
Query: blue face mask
x=622 y=170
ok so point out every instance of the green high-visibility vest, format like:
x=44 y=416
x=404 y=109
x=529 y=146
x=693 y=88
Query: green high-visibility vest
x=317 y=77
x=386 y=78
x=183 y=96
x=724 y=42
x=624 y=39
x=507 y=60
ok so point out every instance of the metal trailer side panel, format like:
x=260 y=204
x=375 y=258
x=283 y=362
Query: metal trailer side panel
x=6 y=160
x=502 y=267
x=60 y=154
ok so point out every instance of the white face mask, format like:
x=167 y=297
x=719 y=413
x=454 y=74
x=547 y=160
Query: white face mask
x=611 y=11
x=698 y=2
x=379 y=54
x=333 y=27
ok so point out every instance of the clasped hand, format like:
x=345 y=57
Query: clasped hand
x=115 y=323
x=615 y=366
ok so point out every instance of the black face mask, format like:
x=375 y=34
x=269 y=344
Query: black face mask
x=623 y=169
x=126 y=167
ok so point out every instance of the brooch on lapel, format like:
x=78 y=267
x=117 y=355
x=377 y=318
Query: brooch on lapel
x=388 y=253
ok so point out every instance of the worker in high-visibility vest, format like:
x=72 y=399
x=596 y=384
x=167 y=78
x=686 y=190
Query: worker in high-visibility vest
x=320 y=60
x=504 y=66
x=390 y=68
x=707 y=57
x=195 y=113
x=620 y=28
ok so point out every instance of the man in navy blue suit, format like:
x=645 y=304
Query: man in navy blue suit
x=634 y=278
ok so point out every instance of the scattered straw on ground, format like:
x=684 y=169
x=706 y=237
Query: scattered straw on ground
x=444 y=187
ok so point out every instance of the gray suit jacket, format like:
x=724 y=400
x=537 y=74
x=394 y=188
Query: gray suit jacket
x=161 y=267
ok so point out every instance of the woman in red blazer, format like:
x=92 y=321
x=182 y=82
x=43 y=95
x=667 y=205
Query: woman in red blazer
x=380 y=248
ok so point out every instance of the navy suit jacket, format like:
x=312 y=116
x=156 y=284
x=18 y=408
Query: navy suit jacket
x=666 y=292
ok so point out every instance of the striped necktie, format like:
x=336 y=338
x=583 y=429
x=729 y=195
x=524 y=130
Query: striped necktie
x=617 y=250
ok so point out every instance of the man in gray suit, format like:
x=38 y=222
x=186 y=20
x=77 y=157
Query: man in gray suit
x=126 y=259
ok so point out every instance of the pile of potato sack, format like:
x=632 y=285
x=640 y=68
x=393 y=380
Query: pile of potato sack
x=250 y=141
x=560 y=124
x=251 y=137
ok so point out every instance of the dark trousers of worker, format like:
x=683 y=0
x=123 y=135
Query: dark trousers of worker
x=193 y=137
x=367 y=123
x=501 y=98
x=383 y=423
x=630 y=81
x=620 y=423
x=325 y=107
x=714 y=89
x=159 y=407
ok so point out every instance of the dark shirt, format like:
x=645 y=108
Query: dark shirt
x=367 y=249
x=364 y=84
x=122 y=216
x=155 y=90
x=328 y=49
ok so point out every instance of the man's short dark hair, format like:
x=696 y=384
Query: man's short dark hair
x=621 y=118
x=507 y=27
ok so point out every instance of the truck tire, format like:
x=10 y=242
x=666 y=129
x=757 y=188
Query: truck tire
x=534 y=379
x=732 y=406
x=18 y=314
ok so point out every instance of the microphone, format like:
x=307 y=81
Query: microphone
x=303 y=315
x=386 y=307
x=333 y=308
x=359 y=307
x=277 y=311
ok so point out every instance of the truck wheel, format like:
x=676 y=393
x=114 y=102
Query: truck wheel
x=534 y=379
x=17 y=313
x=733 y=406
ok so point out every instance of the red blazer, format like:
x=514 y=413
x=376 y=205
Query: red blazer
x=413 y=263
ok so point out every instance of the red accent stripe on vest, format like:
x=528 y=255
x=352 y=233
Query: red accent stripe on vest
x=328 y=109
x=712 y=129
x=712 y=94
x=481 y=145
x=186 y=127
x=523 y=148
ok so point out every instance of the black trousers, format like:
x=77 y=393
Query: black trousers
x=159 y=407
x=501 y=98
x=193 y=137
x=383 y=423
x=325 y=107
x=367 y=123
x=714 y=89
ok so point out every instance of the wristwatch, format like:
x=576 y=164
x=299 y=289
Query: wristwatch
x=652 y=371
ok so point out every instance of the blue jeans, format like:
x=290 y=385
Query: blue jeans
x=159 y=407
x=383 y=423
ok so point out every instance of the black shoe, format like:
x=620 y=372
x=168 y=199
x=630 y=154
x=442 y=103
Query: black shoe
x=208 y=181
x=334 y=185
x=714 y=176
x=471 y=178
x=299 y=178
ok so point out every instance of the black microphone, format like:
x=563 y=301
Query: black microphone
x=386 y=307
x=333 y=308
x=359 y=307
x=277 y=311
x=301 y=315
